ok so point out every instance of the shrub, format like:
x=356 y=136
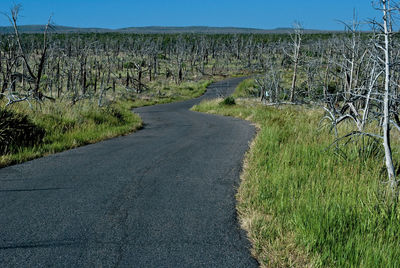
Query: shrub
x=17 y=131
x=228 y=101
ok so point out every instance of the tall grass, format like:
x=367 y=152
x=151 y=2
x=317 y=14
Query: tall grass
x=302 y=203
x=68 y=126
x=247 y=88
x=163 y=92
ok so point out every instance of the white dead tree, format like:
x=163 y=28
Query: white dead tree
x=269 y=84
x=370 y=97
x=35 y=69
x=295 y=56
x=387 y=10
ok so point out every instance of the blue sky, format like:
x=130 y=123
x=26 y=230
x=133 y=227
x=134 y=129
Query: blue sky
x=265 y=14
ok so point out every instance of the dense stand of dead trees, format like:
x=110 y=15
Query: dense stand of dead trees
x=369 y=95
x=72 y=66
x=80 y=66
x=355 y=76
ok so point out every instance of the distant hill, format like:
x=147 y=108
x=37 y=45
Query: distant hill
x=57 y=29
x=154 y=30
x=206 y=30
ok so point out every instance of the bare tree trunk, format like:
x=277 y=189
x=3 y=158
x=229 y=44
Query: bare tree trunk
x=127 y=78
x=326 y=83
x=295 y=58
x=294 y=79
x=386 y=116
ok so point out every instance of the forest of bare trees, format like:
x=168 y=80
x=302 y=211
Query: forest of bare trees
x=353 y=75
x=77 y=66
x=320 y=183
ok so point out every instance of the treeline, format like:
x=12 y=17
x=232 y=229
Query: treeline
x=38 y=67
x=78 y=66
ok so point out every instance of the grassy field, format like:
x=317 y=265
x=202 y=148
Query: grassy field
x=303 y=203
x=69 y=126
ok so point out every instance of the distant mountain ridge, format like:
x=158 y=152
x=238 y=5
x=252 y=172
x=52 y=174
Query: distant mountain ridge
x=154 y=30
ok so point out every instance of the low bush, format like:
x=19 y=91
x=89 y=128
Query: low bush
x=228 y=101
x=17 y=130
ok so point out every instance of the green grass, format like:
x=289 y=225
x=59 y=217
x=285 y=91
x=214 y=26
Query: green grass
x=302 y=204
x=246 y=88
x=162 y=92
x=69 y=126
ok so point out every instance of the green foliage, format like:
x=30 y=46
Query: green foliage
x=162 y=56
x=332 y=88
x=129 y=65
x=302 y=204
x=17 y=130
x=228 y=101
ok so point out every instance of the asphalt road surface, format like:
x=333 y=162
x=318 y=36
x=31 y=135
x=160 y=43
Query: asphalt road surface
x=161 y=197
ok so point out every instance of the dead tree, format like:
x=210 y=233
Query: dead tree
x=374 y=100
x=34 y=76
x=388 y=10
x=295 y=56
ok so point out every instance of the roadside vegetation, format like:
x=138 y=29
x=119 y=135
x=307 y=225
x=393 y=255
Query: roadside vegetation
x=303 y=202
x=320 y=182
x=246 y=89
x=320 y=186
x=57 y=127
x=27 y=133
x=60 y=91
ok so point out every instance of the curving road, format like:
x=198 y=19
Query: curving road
x=161 y=197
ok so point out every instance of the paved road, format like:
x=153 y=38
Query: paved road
x=161 y=197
